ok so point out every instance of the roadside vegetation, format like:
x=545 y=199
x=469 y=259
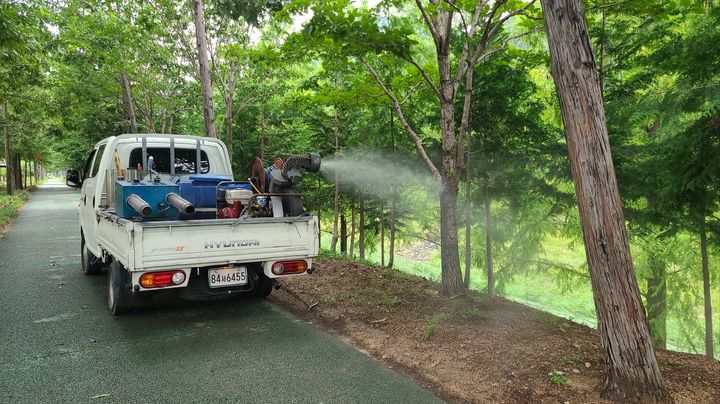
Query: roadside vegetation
x=9 y=205
x=469 y=348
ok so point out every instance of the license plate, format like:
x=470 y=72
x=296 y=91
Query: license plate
x=230 y=276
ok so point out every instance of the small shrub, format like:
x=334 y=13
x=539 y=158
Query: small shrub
x=573 y=360
x=472 y=312
x=558 y=378
x=433 y=324
x=393 y=301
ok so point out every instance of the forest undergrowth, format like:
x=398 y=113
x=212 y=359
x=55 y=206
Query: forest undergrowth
x=469 y=348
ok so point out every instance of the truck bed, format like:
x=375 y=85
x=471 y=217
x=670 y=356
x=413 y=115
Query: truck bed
x=158 y=245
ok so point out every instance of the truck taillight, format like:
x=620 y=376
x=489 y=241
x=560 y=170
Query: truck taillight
x=162 y=279
x=289 y=267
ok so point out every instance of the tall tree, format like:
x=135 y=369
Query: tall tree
x=365 y=35
x=632 y=371
x=128 y=103
x=198 y=14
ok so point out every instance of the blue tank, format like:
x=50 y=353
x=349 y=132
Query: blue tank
x=153 y=193
x=200 y=191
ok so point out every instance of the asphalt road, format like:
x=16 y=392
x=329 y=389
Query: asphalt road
x=58 y=342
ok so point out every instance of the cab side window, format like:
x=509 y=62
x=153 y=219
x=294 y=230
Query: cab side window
x=88 y=164
x=98 y=158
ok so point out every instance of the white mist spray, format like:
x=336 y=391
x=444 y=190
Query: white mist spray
x=375 y=173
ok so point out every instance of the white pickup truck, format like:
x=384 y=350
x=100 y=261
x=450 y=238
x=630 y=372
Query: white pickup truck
x=191 y=252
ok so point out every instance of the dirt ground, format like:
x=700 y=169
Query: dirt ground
x=469 y=349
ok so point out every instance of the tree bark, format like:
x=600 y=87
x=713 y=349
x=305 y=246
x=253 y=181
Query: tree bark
x=632 y=371
x=657 y=302
x=128 y=103
x=393 y=214
x=343 y=234
x=262 y=132
x=17 y=166
x=393 y=201
x=468 y=219
x=361 y=235
x=489 y=264
x=382 y=237
x=706 y=291
x=229 y=126
x=9 y=173
x=352 y=231
x=204 y=68
x=25 y=175
x=451 y=280
x=336 y=200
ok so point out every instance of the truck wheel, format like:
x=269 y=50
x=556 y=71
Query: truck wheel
x=91 y=265
x=263 y=287
x=118 y=296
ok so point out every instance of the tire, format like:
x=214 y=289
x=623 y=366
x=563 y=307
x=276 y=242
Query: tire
x=90 y=264
x=118 y=296
x=263 y=286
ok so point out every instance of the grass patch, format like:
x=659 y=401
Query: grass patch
x=9 y=205
x=558 y=378
x=433 y=325
x=573 y=360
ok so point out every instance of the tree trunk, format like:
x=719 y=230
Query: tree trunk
x=632 y=371
x=468 y=218
x=128 y=103
x=657 y=302
x=352 y=231
x=319 y=211
x=451 y=280
x=9 y=174
x=204 y=68
x=336 y=200
x=17 y=166
x=343 y=234
x=229 y=126
x=489 y=265
x=25 y=175
x=706 y=290
x=393 y=213
x=382 y=237
x=361 y=235
x=393 y=201
x=262 y=132
x=170 y=124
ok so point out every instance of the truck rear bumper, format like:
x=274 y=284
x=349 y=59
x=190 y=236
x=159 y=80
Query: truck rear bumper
x=197 y=279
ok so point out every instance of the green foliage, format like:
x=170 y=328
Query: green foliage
x=433 y=324
x=558 y=378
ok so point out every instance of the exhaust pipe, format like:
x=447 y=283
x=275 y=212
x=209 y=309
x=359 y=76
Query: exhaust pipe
x=180 y=203
x=138 y=204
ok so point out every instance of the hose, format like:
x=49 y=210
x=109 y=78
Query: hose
x=310 y=162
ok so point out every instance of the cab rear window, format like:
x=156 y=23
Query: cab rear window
x=185 y=160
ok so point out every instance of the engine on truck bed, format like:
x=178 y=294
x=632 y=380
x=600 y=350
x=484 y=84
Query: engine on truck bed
x=237 y=199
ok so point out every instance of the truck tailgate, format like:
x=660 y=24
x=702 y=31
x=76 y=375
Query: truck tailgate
x=198 y=243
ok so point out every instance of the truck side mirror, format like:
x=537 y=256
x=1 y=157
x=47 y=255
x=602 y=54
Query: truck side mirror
x=72 y=178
